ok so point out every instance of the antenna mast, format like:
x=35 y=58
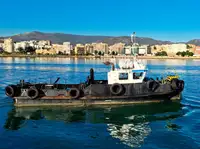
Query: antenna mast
x=133 y=38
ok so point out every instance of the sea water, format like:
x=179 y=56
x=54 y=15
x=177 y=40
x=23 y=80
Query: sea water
x=150 y=126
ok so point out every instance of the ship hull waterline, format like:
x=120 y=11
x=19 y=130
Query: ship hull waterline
x=92 y=101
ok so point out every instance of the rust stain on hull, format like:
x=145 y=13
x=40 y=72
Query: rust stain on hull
x=83 y=102
x=88 y=104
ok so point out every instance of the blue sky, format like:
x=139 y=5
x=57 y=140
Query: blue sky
x=175 y=20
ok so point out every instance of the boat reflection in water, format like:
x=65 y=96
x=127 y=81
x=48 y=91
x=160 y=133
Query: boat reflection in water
x=129 y=124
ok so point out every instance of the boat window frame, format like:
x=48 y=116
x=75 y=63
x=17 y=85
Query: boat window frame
x=123 y=74
x=140 y=76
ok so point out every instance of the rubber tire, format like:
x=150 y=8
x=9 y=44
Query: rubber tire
x=76 y=91
x=155 y=85
x=12 y=89
x=181 y=84
x=174 y=84
x=152 y=85
x=119 y=92
x=33 y=90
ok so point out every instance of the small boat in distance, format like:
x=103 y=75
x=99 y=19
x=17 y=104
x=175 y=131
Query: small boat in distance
x=127 y=84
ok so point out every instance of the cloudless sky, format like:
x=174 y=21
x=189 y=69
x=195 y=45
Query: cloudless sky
x=174 y=20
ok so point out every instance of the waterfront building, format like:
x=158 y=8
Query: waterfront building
x=58 y=48
x=89 y=48
x=127 y=50
x=79 y=49
x=103 y=47
x=46 y=51
x=8 y=45
x=117 y=47
x=171 y=49
x=18 y=45
x=197 y=51
x=174 y=48
x=143 y=50
x=67 y=47
x=44 y=42
x=191 y=47
x=136 y=49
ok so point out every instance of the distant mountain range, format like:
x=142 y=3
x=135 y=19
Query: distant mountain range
x=74 y=39
x=195 y=42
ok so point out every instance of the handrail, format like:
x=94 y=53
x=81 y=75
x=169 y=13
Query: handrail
x=110 y=63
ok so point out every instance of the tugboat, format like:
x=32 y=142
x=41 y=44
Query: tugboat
x=127 y=84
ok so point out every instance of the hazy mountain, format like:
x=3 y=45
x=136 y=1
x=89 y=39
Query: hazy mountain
x=56 y=37
x=61 y=37
x=195 y=42
x=140 y=40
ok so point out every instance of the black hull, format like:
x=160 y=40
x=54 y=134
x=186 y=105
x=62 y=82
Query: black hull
x=98 y=93
x=95 y=101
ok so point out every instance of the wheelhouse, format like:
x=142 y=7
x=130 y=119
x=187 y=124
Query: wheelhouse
x=126 y=76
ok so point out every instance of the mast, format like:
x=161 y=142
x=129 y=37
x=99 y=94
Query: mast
x=133 y=38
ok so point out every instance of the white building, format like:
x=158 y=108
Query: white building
x=174 y=48
x=67 y=47
x=143 y=50
x=171 y=49
x=20 y=45
x=8 y=45
x=43 y=44
x=127 y=50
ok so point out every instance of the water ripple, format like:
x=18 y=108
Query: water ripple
x=175 y=125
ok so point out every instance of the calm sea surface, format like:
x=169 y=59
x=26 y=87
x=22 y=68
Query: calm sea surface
x=151 y=126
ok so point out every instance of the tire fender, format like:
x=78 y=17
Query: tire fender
x=116 y=89
x=152 y=85
x=74 y=93
x=10 y=90
x=175 y=84
x=33 y=93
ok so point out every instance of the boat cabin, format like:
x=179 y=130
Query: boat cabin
x=128 y=73
x=126 y=76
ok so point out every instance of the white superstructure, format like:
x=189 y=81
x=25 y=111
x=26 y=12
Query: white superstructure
x=129 y=71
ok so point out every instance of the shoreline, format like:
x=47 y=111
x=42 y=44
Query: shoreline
x=102 y=57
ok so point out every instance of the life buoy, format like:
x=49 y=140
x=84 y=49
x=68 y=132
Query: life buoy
x=11 y=90
x=33 y=93
x=116 y=89
x=74 y=93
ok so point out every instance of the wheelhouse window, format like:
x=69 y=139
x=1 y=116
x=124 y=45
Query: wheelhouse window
x=137 y=75
x=123 y=76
